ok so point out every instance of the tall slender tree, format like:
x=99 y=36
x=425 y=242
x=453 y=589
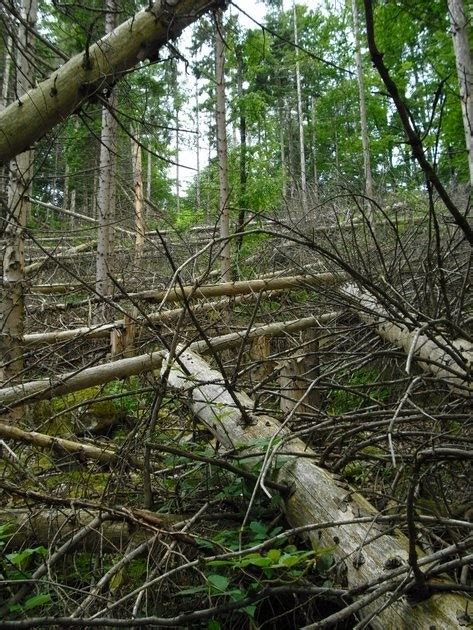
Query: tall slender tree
x=12 y=310
x=137 y=195
x=106 y=195
x=222 y=148
x=369 y=189
x=300 y=116
x=461 y=43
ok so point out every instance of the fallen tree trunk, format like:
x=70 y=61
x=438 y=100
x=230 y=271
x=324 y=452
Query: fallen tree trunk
x=54 y=289
x=104 y=330
x=62 y=446
x=41 y=527
x=58 y=385
x=77 y=215
x=243 y=287
x=87 y=74
x=53 y=257
x=362 y=550
x=453 y=368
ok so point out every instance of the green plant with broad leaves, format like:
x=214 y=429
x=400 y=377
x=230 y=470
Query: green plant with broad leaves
x=17 y=566
x=247 y=574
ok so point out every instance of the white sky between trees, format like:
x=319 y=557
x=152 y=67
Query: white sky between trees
x=187 y=152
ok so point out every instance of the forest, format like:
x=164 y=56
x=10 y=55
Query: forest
x=236 y=323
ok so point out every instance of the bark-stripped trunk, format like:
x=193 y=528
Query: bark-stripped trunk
x=107 y=179
x=362 y=549
x=369 y=190
x=138 y=198
x=427 y=352
x=21 y=173
x=35 y=527
x=460 y=20
x=98 y=375
x=77 y=215
x=222 y=150
x=300 y=116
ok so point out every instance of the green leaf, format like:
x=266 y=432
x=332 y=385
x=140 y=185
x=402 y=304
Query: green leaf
x=274 y=555
x=250 y=610
x=37 y=600
x=259 y=529
x=219 y=582
x=117 y=580
x=18 y=557
x=213 y=625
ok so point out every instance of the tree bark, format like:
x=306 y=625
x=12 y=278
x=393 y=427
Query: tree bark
x=314 y=147
x=365 y=141
x=197 y=146
x=85 y=75
x=243 y=151
x=362 y=549
x=243 y=287
x=106 y=195
x=58 y=385
x=77 y=215
x=427 y=352
x=138 y=199
x=459 y=20
x=21 y=173
x=60 y=445
x=53 y=257
x=31 y=528
x=6 y=73
x=300 y=115
x=222 y=149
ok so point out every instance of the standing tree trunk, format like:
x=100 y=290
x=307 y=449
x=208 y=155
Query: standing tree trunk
x=106 y=195
x=3 y=104
x=224 y=213
x=314 y=148
x=282 y=148
x=243 y=150
x=6 y=73
x=149 y=173
x=138 y=197
x=459 y=21
x=305 y=205
x=175 y=89
x=197 y=145
x=21 y=172
x=369 y=190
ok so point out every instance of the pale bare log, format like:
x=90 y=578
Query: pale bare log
x=53 y=100
x=243 y=287
x=38 y=264
x=59 y=445
x=40 y=527
x=77 y=215
x=75 y=381
x=429 y=353
x=363 y=550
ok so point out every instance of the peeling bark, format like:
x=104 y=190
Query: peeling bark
x=362 y=549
